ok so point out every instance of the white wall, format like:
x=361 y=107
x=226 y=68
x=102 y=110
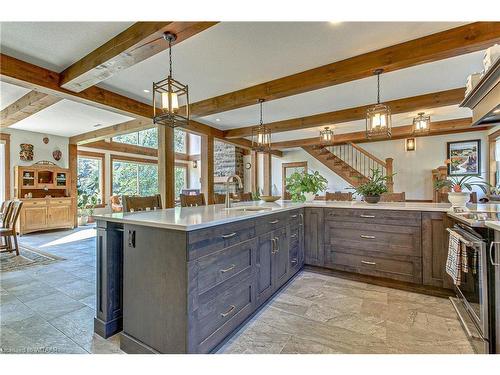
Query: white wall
x=41 y=151
x=413 y=168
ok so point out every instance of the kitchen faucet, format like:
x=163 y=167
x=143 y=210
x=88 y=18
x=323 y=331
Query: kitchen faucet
x=228 y=184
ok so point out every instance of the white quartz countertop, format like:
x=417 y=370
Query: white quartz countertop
x=192 y=218
x=493 y=225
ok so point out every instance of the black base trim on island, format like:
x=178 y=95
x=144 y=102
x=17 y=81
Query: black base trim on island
x=109 y=328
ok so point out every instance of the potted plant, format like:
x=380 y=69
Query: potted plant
x=92 y=202
x=456 y=186
x=82 y=204
x=303 y=187
x=374 y=187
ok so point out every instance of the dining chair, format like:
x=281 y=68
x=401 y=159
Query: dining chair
x=135 y=203
x=219 y=198
x=393 y=197
x=8 y=230
x=338 y=196
x=192 y=200
x=245 y=197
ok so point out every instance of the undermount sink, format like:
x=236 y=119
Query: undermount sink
x=249 y=208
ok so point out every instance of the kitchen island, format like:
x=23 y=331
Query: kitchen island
x=182 y=280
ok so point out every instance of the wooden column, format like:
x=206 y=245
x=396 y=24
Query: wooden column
x=254 y=182
x=207 y=167
x=389 y=171
x=73 y=169
x=268 y=181
x=166 y=165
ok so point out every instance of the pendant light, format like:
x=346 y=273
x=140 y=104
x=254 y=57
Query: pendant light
x=167 y=94
x=421 y=124
x=261 y=135
x=378 y=117
x=326 y=136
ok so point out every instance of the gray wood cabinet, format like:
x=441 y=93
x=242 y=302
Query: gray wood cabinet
x=313 y=236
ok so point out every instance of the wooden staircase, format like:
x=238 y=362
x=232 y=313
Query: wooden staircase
x=351 y=162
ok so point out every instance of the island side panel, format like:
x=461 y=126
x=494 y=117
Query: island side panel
x=154 y=290
x=109 y=278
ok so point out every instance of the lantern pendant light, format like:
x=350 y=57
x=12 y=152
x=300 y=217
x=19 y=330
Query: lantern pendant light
x=326 y=136
x=421 y=124
x=167 y=94
x=261 y=135
x=378 y=117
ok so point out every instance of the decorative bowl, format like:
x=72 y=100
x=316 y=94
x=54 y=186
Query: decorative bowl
x=270 y=198
x=372 y=199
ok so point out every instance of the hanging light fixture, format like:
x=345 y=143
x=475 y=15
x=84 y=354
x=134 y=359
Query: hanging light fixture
x=166 y=96
x=378 y=117
x=326 y=136
x=261 y=135
x=421 y=123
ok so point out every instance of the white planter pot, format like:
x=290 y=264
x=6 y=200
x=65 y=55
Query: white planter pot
x=82 y=220
x=309 y=196
x=458 y=199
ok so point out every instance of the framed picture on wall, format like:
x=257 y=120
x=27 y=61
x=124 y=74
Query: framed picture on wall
x=464 y=158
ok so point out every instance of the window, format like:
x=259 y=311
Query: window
x=181 y=179
x=144 y=138
x=90 y=175
x=180 y=141
x=133 y=176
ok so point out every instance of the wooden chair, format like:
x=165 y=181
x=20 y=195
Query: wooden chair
x=192 y=200
x=8 y=230
x=245 y=197
x=393 y=197
x=338 y=196
x=134 y=203
x=4 y=209
x=115 y=203
x=219 y=198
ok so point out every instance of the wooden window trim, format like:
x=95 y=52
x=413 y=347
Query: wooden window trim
x=186 y=167
x=131 y=159
x=5 y=138
x=284 y=166
x=102 y=158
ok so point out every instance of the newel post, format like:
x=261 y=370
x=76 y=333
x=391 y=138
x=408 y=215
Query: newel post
x=389 y=172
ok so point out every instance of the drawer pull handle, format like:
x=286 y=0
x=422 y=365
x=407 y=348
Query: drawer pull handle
x=274 y=221
x=294 y=261
x=367 y=237
x=231 y=308
x=370 y=263
x=293 y=216
x=293 y=235
x=367 y=216
x=228 y=269
x=229 y=235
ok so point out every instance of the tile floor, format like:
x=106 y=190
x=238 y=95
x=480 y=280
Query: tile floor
x=50 y=309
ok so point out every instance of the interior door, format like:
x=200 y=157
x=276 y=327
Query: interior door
x=287 y=170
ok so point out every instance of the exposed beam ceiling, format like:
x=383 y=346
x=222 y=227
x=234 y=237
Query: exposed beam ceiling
x=137 y=43
x=454 y=42
x=25 y=106
x=437 y=128
x=432 y=100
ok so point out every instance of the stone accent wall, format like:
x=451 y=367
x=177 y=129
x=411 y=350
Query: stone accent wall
x=228 y=160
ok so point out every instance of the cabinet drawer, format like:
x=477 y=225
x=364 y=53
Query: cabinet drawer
x=220 y=312
x=409 y=269
x=30 y=203
x=237 y=260
x=59 y=201
x=410 y=218
x=269 y=223
x=388 y=239
x=206 y=241
x=294 y=217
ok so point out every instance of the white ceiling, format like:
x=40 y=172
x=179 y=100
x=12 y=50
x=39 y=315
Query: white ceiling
x=55 y=45
x=10 y=93
x=234 y=55
x=67 y=118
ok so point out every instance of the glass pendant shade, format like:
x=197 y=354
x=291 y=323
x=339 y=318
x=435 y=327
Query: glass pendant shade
x=168 y=94
x=326 y=136
x=261 y=135
x=421 y=123
x=378 y=117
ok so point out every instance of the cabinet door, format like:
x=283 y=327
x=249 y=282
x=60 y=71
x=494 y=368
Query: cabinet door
x=313 y=236
x=435 y=249
x=59 y=216
x=280 y=259
x=264 y=262
x=34 y=217
x=301 y=239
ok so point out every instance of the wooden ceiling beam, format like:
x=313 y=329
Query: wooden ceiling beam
x=420 y=102
x=437 y=128
x=25 y=106
x=442 y=45
x=137 y=43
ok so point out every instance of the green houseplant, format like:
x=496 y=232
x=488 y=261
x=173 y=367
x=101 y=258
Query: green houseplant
x=456 y=186
x=374 y=187
x=304 y=186
x=83 y=214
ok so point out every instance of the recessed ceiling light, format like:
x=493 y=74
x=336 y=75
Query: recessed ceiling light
x=334 y=22
x=496 y=111
x=217 y=119
x=145 y=90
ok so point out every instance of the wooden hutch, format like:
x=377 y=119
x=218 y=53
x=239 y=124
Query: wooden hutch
x=44 y=189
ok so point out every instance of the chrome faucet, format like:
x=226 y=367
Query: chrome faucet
x=228 y=184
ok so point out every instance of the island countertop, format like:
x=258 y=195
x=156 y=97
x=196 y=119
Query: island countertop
x=192 y=218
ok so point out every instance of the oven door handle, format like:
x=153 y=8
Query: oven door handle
x=492 y=248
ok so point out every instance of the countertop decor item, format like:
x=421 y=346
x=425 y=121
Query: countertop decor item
x=457 y=196
x=26 y=153
x=270 y=198
x=304 y=186
x=167 y=94
x=378 y=117
x=376 y=185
